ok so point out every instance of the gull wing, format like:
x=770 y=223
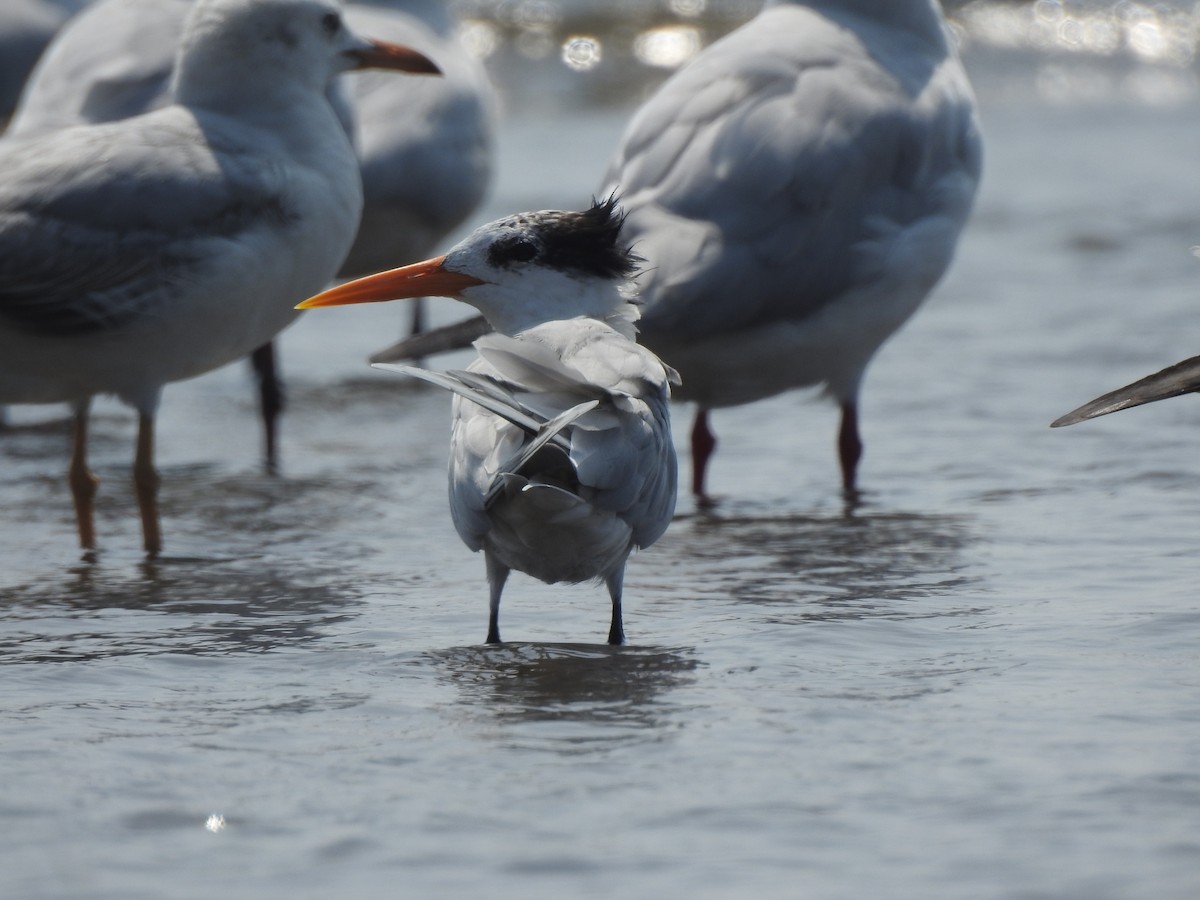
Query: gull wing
x=95 y=221
x=805 y=154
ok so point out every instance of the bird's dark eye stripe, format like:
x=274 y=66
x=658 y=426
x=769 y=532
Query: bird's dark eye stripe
x=512 y=250
x=332 y=23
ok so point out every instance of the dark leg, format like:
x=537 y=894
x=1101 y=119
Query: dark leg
x=145 y=482
x=83 y=483
x=849 y=446
x=270 y=399
x=497 y=574
x=616 y=629
x=418 y=316
x=703 y=444
x=417 y=325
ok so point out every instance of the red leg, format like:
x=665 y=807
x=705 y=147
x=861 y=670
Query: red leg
x=850 y=446
x=145 y=482
x=703 y=444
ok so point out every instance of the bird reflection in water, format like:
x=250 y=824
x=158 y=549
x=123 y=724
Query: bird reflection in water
x=570 y=683
x=194 y=607
x=813 y=567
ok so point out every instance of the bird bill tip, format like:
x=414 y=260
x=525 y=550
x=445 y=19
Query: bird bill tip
x=1087 y=411
x=385 y=55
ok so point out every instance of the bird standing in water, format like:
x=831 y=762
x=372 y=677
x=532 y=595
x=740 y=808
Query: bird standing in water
x=798 y=189
x=424 y=145
x=561 y=461
x=150 y=250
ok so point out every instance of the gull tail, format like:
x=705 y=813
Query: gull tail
x=439 y=340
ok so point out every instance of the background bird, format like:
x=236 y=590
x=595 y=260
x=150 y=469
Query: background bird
x=797 y=190
x=561 y=461
x=26 y=27
x=425 y=146
x=1173 y=381
x=145 y=251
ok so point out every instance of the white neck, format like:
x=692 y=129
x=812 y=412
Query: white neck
x=542 y=295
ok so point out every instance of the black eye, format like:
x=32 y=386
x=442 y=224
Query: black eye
x=332 y=23
x=521 y=250
x=512 y=250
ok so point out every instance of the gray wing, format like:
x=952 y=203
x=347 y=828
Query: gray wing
x=96 y=220
x=1173 y=381
x=495 y=398
x=571 y=404
x=798 y=155
x=621 y=451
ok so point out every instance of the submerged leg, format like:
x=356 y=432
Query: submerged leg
x=270 y=400
x=615 y=582
x=849 y=446
x=703 y=444
x=83 y=482
x=145 y=482
x=497 y=574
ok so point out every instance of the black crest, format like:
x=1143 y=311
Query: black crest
x=587 y=242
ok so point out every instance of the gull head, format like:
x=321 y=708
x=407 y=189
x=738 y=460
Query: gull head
x=243 y=47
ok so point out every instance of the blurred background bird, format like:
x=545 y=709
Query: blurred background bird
x=26 y=27
x=155 y=248
x=425 y=146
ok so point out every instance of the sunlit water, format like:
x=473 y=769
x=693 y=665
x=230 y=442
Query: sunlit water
x=983 y=681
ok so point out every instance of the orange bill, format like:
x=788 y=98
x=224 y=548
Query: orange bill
x=382 y=55
x=423 y=279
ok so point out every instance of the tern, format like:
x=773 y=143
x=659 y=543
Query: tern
x=150 y=250
x=424 y=146
x=797 y=190
x=561 y=461
x=1173 y=381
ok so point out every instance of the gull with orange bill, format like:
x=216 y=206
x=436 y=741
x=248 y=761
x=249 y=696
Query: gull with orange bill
x=424 y=145
x=150 y=250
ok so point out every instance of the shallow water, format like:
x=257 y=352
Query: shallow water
x=980 y=681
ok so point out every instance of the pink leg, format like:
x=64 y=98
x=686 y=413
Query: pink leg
x=703 y=444
x=850 y=446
